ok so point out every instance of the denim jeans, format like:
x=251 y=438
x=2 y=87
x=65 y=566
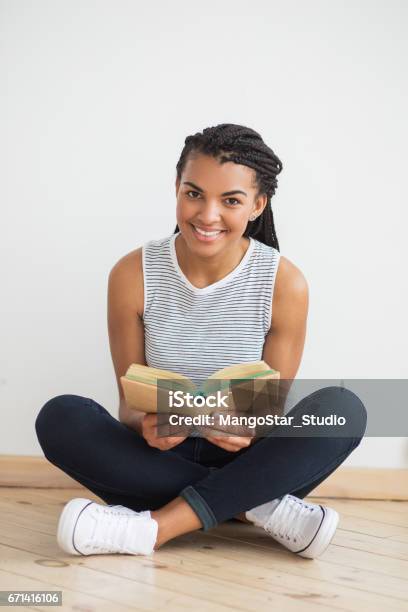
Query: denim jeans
x=113 y=461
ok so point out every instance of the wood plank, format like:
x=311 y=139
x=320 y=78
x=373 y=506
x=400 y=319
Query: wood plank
x=180 y=568
x=234 y=559
x=36 y=514
x=71 y=599
x=363 y=508
x=129 y=580
x=354 y=517
x=32 y=471
x=337 y=566
x=345 y=482
x=365 y=483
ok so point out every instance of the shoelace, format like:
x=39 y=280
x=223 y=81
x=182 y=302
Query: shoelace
x=111 y=530
x=287 y=524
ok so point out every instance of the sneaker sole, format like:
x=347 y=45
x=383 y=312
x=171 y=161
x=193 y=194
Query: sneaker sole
x=323 y=536
x=67 y=523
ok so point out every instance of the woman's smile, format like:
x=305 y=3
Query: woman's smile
x=205 y=235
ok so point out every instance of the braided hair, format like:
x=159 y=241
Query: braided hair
x=228 y=142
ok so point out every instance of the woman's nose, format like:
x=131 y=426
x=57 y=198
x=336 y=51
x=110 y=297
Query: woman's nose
x=210 y=213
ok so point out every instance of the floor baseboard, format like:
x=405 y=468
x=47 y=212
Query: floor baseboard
x=345 y=482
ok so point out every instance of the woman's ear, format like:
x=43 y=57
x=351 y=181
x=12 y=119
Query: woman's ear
x=260 y=205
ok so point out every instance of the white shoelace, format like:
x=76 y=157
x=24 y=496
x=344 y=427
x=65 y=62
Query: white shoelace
x=111 y=529
x=287 y=522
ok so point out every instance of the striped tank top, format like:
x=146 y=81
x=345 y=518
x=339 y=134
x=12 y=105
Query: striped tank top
x=197 y=331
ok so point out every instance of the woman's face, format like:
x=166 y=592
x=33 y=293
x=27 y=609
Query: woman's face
x=215 y=198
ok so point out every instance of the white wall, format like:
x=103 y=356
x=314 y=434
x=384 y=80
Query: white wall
x=96 y=101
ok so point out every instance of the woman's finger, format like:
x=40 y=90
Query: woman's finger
x=233 y=430
x=234 y=442
x=171 y=441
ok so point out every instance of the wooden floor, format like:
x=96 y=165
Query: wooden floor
x=233 y=567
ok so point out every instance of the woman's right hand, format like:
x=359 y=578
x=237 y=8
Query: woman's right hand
x=148 y=429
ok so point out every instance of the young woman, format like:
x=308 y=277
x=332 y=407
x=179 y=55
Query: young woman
x=214 y=293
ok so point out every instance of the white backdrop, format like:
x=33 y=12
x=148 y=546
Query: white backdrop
x=96 y=101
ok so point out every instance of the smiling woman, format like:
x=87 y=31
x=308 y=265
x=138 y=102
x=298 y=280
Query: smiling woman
x=246 y=163
x=214 y=293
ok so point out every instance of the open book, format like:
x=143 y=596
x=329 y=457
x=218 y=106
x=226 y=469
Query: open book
x=142 y=391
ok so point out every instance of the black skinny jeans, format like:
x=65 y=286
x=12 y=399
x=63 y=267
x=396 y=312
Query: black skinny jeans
x=113 y=461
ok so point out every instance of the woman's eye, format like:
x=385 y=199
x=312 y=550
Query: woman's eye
x=233 y=203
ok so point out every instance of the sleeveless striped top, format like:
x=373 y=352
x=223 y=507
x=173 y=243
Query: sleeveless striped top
x=197 y=331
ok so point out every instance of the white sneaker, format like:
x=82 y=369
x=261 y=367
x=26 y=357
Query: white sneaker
x=88 y=528
x=304 y=528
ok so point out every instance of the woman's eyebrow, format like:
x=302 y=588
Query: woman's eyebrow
x=226 y=193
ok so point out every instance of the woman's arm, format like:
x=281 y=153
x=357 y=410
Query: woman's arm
x=285 y=340
x=125 y=325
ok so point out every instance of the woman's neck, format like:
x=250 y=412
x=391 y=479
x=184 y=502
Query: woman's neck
x=203 y=271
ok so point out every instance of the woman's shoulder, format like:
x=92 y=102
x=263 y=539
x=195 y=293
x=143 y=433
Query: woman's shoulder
x=129 y=273
x=289 y=278
x=130 y=261
x=289 y=272
x=288 y=275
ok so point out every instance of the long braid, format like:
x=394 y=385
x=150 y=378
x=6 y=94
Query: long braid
x=241 y=145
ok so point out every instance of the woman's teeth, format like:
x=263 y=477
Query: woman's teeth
x=203 y=233
x=207 y=236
